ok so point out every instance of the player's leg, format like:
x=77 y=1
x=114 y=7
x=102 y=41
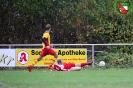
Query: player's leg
x=72 y=67
x=75 y=69
x=37 y=60
x=55 y=58
x=84 y=64
x=53 y=61
x=42 y=54
x=52 y=52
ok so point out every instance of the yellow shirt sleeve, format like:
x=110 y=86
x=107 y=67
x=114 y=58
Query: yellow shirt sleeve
x=46 y=35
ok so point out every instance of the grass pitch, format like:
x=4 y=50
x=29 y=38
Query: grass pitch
x=86 y=78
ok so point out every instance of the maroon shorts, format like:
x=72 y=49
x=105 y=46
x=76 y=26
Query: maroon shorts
x=46 y=51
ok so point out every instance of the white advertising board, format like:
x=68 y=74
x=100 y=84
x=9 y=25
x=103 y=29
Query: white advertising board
x=7 y=57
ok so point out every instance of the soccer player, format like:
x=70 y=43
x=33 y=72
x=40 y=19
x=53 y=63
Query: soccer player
x=60 y=66
x=46 y=50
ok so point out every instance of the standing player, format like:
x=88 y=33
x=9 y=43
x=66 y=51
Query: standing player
x=60 y=66
x=46 y=50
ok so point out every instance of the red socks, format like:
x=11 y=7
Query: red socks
x=84 y=64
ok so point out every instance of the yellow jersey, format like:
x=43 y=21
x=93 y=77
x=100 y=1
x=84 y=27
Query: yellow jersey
x=47 y=36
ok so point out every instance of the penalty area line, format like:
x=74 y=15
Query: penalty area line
x=4 y=85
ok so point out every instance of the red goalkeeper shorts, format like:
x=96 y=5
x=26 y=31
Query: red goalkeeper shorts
x=69 y=65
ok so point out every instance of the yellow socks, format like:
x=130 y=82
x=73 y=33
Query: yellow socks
x=35 y=61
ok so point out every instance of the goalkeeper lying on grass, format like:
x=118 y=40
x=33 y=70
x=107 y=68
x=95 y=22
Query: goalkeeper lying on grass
x=60 y=66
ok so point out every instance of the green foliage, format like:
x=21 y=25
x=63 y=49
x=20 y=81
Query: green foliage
x=117 y=59
x=76 y=21
x=105 y=25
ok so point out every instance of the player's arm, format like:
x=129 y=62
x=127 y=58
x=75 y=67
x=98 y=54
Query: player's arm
x=65 y=70
x=44 y=41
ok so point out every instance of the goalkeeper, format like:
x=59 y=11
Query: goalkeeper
x=60 y=66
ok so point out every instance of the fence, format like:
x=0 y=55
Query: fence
x=92 y=46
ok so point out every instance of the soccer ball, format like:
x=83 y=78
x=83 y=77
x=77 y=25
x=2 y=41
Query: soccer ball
x=101 y=63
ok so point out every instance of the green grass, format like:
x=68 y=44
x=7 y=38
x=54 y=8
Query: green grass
x=86 y=78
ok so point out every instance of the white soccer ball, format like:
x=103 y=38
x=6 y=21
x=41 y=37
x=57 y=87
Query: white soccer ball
x=101 y=63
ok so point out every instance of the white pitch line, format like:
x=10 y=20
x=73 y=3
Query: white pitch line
x=4 y=85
